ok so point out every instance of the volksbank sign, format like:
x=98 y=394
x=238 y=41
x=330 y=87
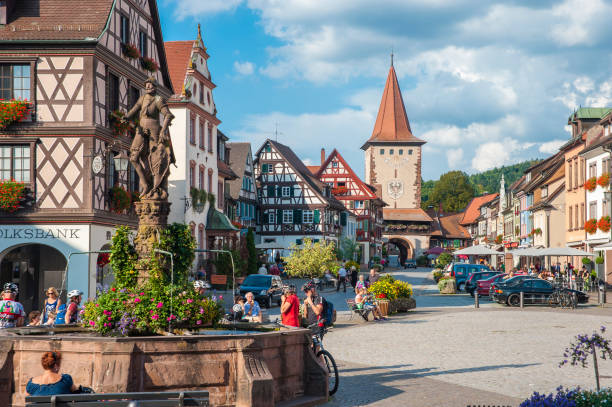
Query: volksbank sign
x=41 y=233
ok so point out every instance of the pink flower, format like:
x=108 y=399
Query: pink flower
x=198 y=322
x=124 y=302
x=110 y=318
x=97 y=305
x=171 y=317
x=220 y=297
x=92 y=323
x=160 y=304
x=155 y=317
x=189 y=300
x=141 y=294
x=201 y=310
x=136 y=299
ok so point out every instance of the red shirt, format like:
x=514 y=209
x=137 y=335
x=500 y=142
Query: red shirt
x=292 y=316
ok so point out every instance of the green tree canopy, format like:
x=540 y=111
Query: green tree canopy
x=453 y=190
x=310 y=259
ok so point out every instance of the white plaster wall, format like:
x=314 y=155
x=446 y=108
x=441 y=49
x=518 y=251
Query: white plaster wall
x=596 y=195
x=405 y=165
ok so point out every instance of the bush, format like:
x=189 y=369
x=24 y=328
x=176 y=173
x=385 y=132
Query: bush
x=570 y=398
x=390 y=288
x=350 y=264
x=444 y=259
x=377 y=267
x=599 y=260
x=443 y=281
x=586 y=261
x=422 y=261
x=437 y=274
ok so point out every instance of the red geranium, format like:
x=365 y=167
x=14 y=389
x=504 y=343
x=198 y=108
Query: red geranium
x=590 y=226
x=381 y=296
x=604 y=224
x=591 y=184
x=12 y=111
x=604 y=180
x=11 y=194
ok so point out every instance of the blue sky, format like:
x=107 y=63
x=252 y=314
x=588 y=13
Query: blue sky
x=486 y=83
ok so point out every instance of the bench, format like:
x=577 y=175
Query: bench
x=154 y=399
x=218 y=279
x=363 y=313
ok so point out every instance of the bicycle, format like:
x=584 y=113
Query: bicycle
x=318 y=331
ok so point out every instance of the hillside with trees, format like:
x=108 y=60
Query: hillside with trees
x=455 y=189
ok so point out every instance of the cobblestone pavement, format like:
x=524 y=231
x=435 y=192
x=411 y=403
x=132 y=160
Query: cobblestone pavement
x=446 y=353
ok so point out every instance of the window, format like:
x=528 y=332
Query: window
x=334 y=164
x=592 y=170
x=576 y=219
x=201 y=135
x=605 y=207
x=271 y=217
x=307 y=216
x=582 y=164
x=286 y=191
x=208 y=97
x=210 y=182
x=593 y=209
x=390 y=151
x=605 y=165
x=192 y=174
x=15 y=163
x=142 y=44
x=14 y=82
x=544 y=191
x=528 y=177
x=410 y=152
x=569 y=178
x=201 y=178
x=358 y=204
x=382 y=151
x=220 y=195
x=125 y=30
x=576 y=185
x=267 y=168
x=134 y=180
x=287 y=216
x=113 y=92
x=581 y=215
x=192 y=130
x=210 y=139
x=400 y=151
x=201 y=236
x=133 y=96
x=113 y=174
x=201 y=93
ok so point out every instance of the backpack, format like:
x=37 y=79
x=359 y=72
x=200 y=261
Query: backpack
x=60 y=318
x=329 y=314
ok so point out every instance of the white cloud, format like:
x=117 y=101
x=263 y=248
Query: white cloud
x=244 y=68
x=192 y=8
x=496 y=154
x=454 y=156
x=551 y=147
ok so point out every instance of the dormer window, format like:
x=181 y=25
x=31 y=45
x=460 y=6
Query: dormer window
x=335 y=164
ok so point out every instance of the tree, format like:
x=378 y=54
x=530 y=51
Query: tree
x=310 y=259
x=453 y=190
x=348 y=248
x=252 y=252
x=443 y=259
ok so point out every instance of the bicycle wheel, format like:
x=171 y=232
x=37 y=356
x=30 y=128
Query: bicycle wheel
x=332 y=369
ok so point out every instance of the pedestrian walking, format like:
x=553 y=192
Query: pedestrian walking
x=341 y=278
x=354 y=276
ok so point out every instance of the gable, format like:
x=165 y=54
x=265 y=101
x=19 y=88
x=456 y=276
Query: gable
x=337 y=169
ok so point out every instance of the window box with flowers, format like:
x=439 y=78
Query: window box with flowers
x=12 y=193
x=535 y=232
x=130 y=50
x=604 y=180
x=590 y=226
x=590 y=184
x=12 y=111
x=604 y=224
x=118 y=126
x=339 y=190
x=149 y=64
x=499 y=239
x=120 y=199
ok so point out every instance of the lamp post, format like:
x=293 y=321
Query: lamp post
x=121 y=161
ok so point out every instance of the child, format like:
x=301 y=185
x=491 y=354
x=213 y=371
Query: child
x=51 y=318
x=34 y=318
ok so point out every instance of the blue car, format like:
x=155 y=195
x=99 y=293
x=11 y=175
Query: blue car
x=462 y=271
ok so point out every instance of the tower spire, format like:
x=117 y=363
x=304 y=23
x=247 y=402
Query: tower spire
x=391 y=57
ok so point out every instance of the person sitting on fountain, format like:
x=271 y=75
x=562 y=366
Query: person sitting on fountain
x=34 y=318
x=51 y=382
x=12 y=313
x=73 y=309
x=200 y=287
x=51 y=318
x=252 y=311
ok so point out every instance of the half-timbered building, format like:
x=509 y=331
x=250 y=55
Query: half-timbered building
x=79 y=68
x=294 y=204
x=359 y=198
x=242 y=189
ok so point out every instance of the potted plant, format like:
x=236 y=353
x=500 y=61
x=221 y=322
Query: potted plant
x=12 y=111
x=149 y=64
x=11 y=195
x=599 y=260
x=604 y=224
x=130 y=51
x=604 y=180
x=120 y=199
x=591 y=184
x=590 y=226
x=118 y=126
x=447 y=285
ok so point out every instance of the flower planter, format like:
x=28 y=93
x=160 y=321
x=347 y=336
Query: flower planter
x=401 y=305
x=447 y=286
x=383 y=305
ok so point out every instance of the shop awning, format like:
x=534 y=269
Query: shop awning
x=564 y=251
x=478 y=250
x=269 y=246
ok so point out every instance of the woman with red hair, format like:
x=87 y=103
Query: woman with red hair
x=51 y=382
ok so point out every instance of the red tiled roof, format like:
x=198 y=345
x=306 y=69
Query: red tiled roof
x=392 y=122
x=472 y=211
x=56 y=20
x=178 y=54
x=413 y=214
x=225 y=171
x=451 y=228
x=313 y=168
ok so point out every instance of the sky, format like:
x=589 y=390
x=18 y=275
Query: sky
x=485 y=83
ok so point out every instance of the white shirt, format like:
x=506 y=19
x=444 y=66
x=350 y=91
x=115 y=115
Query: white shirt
x=262 y=270
x=342 y=272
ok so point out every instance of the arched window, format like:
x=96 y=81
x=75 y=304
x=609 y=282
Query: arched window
x=210 y=181
x=201 y=236
x=201 y=177
x=210 y=138
x=192 y=166
x=192 y=227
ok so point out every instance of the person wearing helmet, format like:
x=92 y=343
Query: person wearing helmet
x=313 y=303
x=200 y=287
x=12 y=313
x=73 y=309
x=290 y=307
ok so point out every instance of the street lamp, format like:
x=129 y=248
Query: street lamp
x=121 y=161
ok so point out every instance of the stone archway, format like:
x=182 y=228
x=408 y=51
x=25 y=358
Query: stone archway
x=34 y=267
x=405 y=248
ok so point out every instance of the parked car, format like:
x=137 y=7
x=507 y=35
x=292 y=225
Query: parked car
x=507 y=280
x=483 y=286
x=462 y=271
x=470 y=284
x=266 y=288
x=410 y=264
x=537 y=291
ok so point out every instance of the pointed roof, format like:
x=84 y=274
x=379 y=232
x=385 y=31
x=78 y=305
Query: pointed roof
x=392 y=123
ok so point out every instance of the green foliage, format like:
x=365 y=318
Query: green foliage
x=347 y=248
x=586 y=261
x=444 y=259
x=123 y=259
x=599 y=260
x=453 y=190
x=589 y=398
x=252 y=260
x=351 y=263
x=422 y=261
x=310 y=259
x=143 y=311
x=223 y=263
x=426 y=190
x=177 y=239
x=390 y=288
x=437 y=274
x=444 y=281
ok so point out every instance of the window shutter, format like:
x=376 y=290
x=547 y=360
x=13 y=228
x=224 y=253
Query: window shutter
x=317 y=216
x=279 y=191
x=264 y=168
x=279 y=216
x=266 y=218
x=343 y=217
x=291 y=190
x=297 y=216
x=271 y=190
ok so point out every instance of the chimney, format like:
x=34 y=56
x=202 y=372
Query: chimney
x=6 y=9
x=322 y=156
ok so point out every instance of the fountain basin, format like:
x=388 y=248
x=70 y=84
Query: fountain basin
x=238 y=367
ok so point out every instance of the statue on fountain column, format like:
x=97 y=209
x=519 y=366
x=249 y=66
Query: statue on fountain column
x=151 y=152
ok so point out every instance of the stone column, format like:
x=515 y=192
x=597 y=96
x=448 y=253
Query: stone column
x=152 y=218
